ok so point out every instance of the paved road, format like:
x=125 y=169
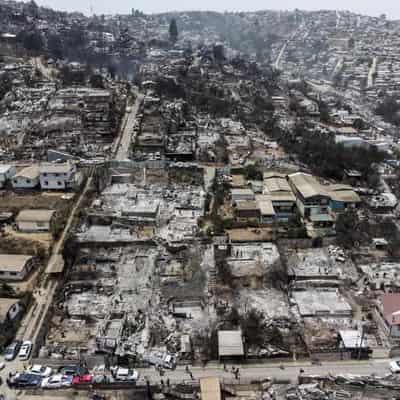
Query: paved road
x=126 y=135
x=278 y=59
x=290 y=371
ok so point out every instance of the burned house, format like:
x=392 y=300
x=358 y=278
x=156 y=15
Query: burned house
x=249 y=263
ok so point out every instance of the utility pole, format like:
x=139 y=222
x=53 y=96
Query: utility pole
x=360 y=346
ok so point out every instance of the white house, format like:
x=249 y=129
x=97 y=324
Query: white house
x=35 y=220
x=6 y=173
x=15 y=267
x=27 y=178
x=58 y=176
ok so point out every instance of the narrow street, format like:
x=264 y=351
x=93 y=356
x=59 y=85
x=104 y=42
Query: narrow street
x=278 y=60
x=289 y=371
x=125 y=138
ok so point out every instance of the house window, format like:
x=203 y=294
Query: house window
x=28 y=181
x=46 y=183
x=45 y=174
x=59 y=183
x=40 y=224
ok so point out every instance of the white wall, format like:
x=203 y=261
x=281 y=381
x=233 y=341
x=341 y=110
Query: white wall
x=24 y=183
x=28 y=226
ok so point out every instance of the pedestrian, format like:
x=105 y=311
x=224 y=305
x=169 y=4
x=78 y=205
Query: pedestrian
x=225 y=369
x=301 y=370
x=191 y=375
x=162 y=382
x=187 y=369
x=168 y=382
x=281 y=366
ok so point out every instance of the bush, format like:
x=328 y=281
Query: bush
x=252 y=324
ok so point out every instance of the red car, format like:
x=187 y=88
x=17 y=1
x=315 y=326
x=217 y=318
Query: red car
x=80 y=379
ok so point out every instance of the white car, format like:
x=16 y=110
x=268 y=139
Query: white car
x=25 y=350
x=2 y=365
x=56 y=381
x=395 y=366
x=40 y=370
x=125 y=374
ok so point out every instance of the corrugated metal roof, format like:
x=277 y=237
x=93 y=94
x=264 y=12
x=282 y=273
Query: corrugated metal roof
x=35 y=215
x=13 y=262
x=230 y=343
x=307 y=185
x=277 y=185
x=345 y=196
x=265 y=205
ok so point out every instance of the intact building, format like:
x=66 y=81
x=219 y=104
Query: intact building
x=58 y=176
x=27 y=178
x=35 y=220
x=15 y=267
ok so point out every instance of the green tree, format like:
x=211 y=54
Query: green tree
x=55 y=46
x=96 y=81
x=5 y=84
x=350 y=231
x=173 y=30
x=219 y=53
x=32 y=41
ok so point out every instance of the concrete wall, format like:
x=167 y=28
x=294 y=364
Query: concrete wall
x=24 y=183
x=29 y=226
x=19 y=276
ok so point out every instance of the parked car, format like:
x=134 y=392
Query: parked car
x=125 y=374
x=164 y=360
x=25 y=350
x=82 y=379
x=24 y=380
x=72 y=370
x=395 y=366
x=2 y=365
x=40 y=370
x=56 y=381
x=12 y=350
